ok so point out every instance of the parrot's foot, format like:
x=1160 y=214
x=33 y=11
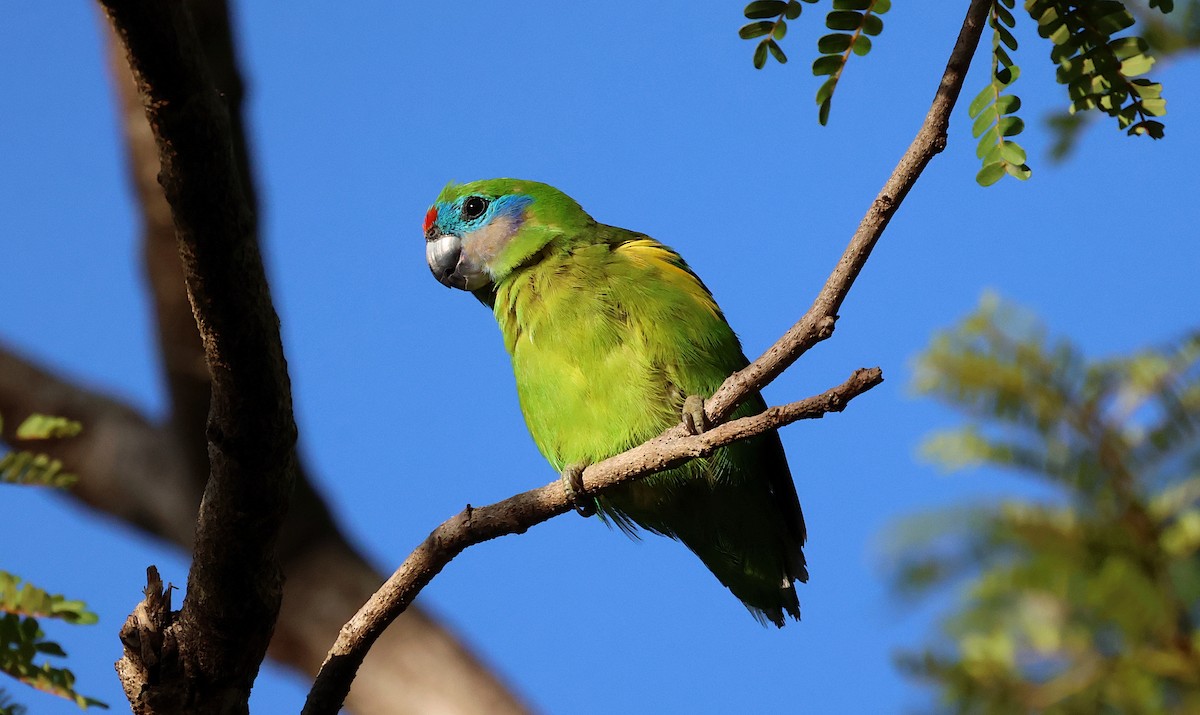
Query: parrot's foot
x=572 y=480
x=693 y=415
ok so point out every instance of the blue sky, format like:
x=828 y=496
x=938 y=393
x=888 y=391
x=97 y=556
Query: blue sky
x=652 y=117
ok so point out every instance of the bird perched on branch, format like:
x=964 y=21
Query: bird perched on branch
x=613 y=338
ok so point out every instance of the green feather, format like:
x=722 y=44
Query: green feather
x=609 y=331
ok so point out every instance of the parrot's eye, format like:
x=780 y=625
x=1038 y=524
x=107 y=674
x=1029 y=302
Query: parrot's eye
x=473 y=207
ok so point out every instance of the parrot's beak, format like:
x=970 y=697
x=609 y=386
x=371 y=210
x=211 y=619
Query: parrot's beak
x=451 y=266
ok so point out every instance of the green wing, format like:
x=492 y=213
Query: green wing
x=608 y=335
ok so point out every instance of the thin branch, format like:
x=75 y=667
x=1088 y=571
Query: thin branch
x=234 y=586
x=673 y=446
x=516 y=514
x=817 y=324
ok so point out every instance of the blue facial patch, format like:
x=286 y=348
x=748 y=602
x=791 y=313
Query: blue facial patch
x=450 y=218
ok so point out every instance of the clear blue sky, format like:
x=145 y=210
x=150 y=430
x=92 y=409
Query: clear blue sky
x=651 y=115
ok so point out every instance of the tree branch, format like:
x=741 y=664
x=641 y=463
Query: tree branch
x=818 y=323
x=420 y=665
x=234 y=586
x=516 y=514
x=674 y=446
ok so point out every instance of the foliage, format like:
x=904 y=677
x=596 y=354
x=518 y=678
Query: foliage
x=1085 y=601
x=1101 y=70
x=995 y=112
x=8 y=707
x=854 y=22
x=27 y=467
x=771 y=18
x=1167 y=35
x=22 y=604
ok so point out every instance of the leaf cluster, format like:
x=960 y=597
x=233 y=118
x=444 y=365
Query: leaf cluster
x=1167 y=35
x=1101 y=68
x=1084 y=601
x=853 y=22
x=22 y=639
x=993 y=111
x=771 y=18
x=1098 y=68
x=36 y=468
x=9 y=707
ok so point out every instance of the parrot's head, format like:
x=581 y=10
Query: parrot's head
x=476 y=234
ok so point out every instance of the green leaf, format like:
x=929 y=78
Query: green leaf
x=30 y=468
x=1112 y=22
x=793 y=10
x=1150 y=128
x=1146 y=89
x=1007 y=38
x=851 y=4
x=1005 y=17
x=1018 y=171
x=827 y=65
x=776 y=52
x=1155 y=107
x=872 y=25
x=38 y=426
x=862 y=45
x=987 y=141
x=1001 y=56
x=780 y=30
x=1012 y=152
x=760 y=55
x=990 y=174
x=982 y=122
x=847 y=20
x=1126 y=47
x=1008 y=104
x=755 y=29
x=1136 y=65
x=1010 y=126
x=833 y=44
x=823 y=112
x=826 y=90
x=21 y=640
x=982 y=100
x=765 y=8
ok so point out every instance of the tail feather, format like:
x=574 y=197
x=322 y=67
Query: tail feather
x=745 y=525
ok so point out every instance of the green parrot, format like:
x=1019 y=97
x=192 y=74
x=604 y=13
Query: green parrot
x=613 y=338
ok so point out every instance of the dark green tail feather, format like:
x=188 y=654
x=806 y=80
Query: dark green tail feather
x=744 y=524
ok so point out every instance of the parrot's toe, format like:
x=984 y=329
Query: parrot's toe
x=572 y=480
x=693 y=414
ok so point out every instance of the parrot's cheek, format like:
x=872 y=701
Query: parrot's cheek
x=451 y=267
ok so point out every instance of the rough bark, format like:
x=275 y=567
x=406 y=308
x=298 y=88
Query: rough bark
x=153 y=475
x=208 y=653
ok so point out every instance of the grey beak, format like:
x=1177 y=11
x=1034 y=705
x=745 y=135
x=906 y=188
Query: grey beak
x=445 y=257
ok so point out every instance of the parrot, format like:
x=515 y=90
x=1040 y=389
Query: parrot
x=613 y=339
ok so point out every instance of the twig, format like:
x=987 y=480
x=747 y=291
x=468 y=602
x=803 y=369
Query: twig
x=817 y=324
x=673 y=446
x=474 y=525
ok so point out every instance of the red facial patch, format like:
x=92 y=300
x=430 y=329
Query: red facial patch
x=430 y=217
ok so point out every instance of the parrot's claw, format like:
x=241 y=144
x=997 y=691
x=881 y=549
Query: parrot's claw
x=572 y=480
x=693 y=415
